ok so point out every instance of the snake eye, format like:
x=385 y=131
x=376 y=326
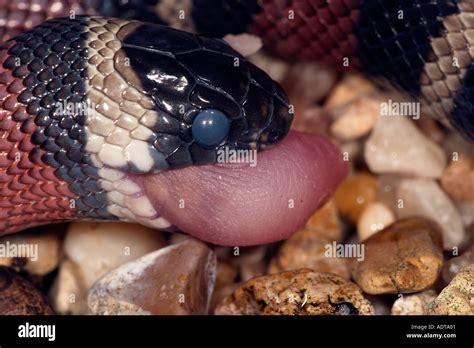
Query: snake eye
x=210 y=128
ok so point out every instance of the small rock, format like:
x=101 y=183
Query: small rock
x=381 y=305
x=354 y=194
x=356 y=119
x=301 y=77
x=421 y=197
x=250 y=262
x=19 y=297
x=300 y=292
x=275 y=67
x=348 y=89
x=416 y=304
x=306 y=248
x=466 y=210
x=309 y=118
x=325 y=221
x=454 y=265
x=404 y=257
x=458 y=178
x=225 y=283
x=375 y=217
x=99 y=247
x=178 y=279
x=42 y=251
x=68 y=293
x=387 y=190
x=352 y=152
x=458 y=296
x=245 y=44
x=386 y=151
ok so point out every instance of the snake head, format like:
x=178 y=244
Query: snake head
x=205 y=96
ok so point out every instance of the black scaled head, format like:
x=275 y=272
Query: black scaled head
x=207 y=96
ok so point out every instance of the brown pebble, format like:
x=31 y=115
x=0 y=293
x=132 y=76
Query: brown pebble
x=354 y=194
x=19 y=297
x=300 y=292
x=405 y=257
x=458 y=178
x=178 y=279
x=325 y=221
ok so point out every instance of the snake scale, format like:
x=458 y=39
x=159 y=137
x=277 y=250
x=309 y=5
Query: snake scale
x=87 y=100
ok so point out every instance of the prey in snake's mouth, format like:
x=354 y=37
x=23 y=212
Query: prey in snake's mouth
x=163 y=104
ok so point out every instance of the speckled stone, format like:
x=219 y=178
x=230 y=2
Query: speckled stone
x=458 y=178
x=178 y=279
x=300 y=292
x=355 y=192
x=422 y=197
x=458 y=296
x=405 y=257
x=416 y=304
x=20 y=297
x=386 y=151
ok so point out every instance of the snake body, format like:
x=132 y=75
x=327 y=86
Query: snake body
x=87 y=102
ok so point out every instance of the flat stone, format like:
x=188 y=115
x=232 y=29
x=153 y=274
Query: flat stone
x=458 y=296
x=374 y=218
x=458 y=178
x=416 y=304
x=20 y=297
x=386 y=151
x=97 y=248
x=300 y=292
x=355 y=192
x=421 y=197
x=405 y=257
x=178 y=279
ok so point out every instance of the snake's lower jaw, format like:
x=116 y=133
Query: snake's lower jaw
x=240 y=204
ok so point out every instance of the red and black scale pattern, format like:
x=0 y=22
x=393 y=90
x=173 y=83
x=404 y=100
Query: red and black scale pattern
x=395 y=40
x=46 y=172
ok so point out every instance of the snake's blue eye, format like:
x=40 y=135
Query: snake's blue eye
x=210 y=128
